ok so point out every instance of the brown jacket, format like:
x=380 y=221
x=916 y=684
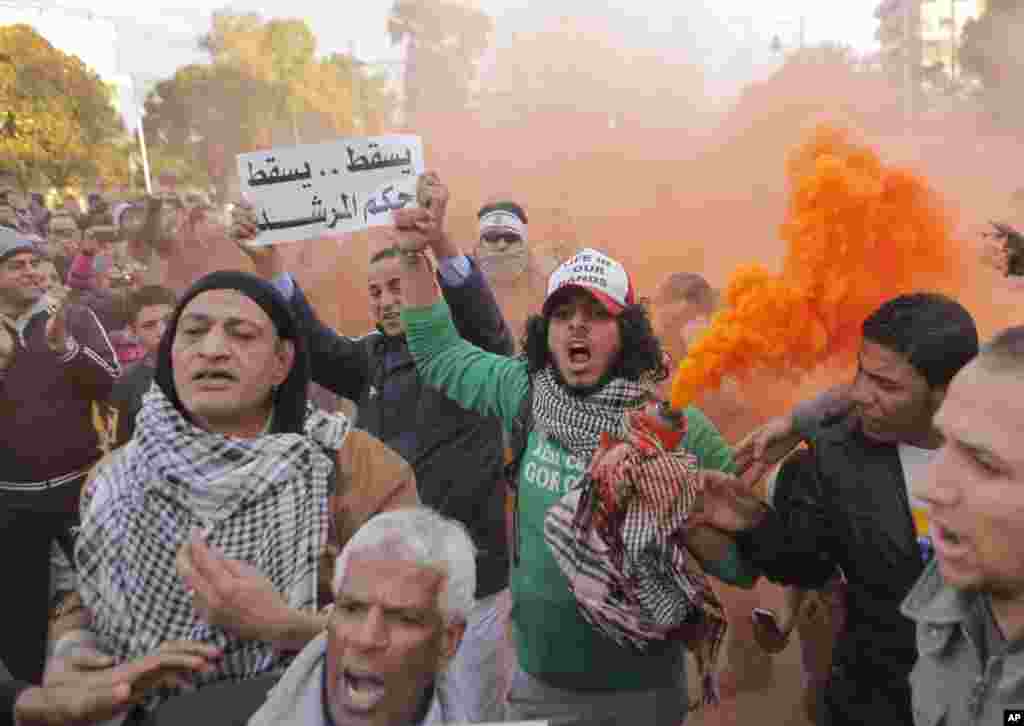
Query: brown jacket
x=370 y=478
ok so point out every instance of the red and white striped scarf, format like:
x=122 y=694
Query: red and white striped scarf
x=619 y=540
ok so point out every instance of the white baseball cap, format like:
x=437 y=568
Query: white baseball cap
x=597 y=273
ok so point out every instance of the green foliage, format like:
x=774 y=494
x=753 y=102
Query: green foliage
x=446 y=41
x=990 y=53
x=263 y=83
x=58 y=114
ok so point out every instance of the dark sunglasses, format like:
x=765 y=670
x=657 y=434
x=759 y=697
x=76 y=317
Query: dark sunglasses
x=506 y=237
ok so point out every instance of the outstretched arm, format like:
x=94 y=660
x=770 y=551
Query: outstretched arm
x=337 y=362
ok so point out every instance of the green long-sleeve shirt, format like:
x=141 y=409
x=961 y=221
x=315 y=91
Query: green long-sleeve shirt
x=554 y=642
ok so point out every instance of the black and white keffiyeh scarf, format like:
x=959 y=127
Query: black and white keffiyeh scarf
x=618 y=537
x=263 y=501
x=577 y=422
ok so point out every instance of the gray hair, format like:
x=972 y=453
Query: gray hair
x=423 y=537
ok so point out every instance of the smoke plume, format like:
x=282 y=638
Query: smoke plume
x=858 y=232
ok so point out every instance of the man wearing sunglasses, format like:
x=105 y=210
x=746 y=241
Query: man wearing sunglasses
x=517 y=270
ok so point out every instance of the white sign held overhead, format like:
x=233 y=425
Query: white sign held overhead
x=329 y=190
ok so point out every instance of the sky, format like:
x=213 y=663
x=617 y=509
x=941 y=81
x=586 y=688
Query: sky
x=732 y=37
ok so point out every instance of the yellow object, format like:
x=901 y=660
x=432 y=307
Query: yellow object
x=104 y=420
x=921 y=526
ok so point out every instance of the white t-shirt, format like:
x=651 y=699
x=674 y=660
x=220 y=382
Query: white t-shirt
x=915 y=461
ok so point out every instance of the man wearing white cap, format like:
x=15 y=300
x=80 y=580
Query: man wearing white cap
x=517 y=270
x=589 y=358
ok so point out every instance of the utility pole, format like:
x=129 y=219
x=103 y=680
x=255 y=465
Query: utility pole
x=142 y=136
x=295 y=129
x=803 y=28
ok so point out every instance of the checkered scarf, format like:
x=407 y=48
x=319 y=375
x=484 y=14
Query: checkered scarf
x=618 y=538
x=262 y=501
x=577 y=422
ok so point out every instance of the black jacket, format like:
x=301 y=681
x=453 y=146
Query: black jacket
x=127 y=397
x=458 y=455
x=9 y=692
x=843 y=504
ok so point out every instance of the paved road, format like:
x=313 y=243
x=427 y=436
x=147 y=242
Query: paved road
x=778 y=704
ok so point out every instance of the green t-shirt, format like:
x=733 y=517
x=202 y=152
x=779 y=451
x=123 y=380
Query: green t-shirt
x=553 y=640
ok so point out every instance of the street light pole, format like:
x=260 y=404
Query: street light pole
x=142 y=139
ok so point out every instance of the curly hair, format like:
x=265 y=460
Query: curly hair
x=640 y=357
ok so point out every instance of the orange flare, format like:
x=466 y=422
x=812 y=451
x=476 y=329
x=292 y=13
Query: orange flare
x=857 y=233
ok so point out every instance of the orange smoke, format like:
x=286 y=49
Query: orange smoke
x=857 y=233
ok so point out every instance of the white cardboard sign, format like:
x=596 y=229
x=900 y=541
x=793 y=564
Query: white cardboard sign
x=331 y=189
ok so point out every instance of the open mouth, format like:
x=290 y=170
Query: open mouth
x=363 y=690
x=579 y=354
x=950 y=546
x=213 y=376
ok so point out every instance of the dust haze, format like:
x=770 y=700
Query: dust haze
x=614 y=142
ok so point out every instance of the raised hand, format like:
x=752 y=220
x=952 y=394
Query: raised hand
x=244 y=223
x=424 y=226
x=727 y=503
x=765 y=447
x=266 y=259
x=57 y=338
x=87 y=687
x=230 y=594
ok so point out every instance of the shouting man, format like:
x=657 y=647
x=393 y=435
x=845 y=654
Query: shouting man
x=210 y=523
x=404 y=588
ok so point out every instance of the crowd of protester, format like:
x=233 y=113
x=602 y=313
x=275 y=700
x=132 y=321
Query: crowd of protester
x=203 y=532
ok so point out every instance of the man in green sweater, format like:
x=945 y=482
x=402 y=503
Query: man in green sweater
x=585 y=359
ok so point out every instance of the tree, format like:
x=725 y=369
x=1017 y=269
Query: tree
x=373 y=102
x=816 y=83
x=579 y=69
x=203 y=110
x=989 y=52
x=58 y=113
x=445 y=40
x=264 y=85
x=278 y=53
